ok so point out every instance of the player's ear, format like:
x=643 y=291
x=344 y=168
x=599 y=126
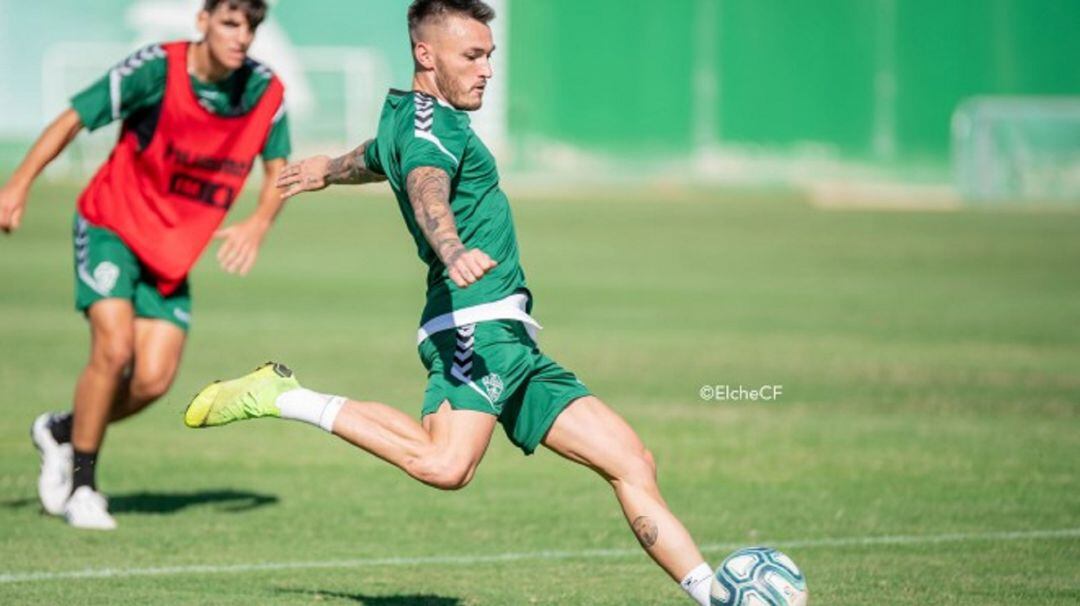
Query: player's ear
x=202 y=22
x=424 y=55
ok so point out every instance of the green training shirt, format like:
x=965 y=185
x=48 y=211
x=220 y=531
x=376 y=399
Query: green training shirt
x=418 y=130
x=137 y=84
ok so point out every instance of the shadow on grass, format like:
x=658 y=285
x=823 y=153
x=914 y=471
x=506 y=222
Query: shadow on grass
x=233 y=501
x=371 y=600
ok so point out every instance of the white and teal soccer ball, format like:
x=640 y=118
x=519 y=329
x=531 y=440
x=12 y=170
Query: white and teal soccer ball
x=758 y=576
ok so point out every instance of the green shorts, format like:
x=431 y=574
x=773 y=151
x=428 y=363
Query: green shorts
x=105 y=268
x=495 y=367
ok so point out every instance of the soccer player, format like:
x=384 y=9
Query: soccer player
x=476 y=339
x=195 y=116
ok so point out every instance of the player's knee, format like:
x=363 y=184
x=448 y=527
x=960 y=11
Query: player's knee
x=149 y=384
x=650 y=462
x=638 y=469
x=114 y=352
x=451 y=481
x=445 y=474
x=453 y=477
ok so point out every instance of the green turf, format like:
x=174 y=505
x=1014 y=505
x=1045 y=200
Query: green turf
x=930 y=365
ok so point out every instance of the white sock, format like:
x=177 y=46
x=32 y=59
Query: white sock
x=311 y=407
x=697 y=583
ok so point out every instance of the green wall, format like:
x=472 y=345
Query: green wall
x=796 y=71
x=601 y=73
x=868 y=79
x=951 y=50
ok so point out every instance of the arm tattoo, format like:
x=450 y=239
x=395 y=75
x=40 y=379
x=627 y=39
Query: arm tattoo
x=429 y=192
x=352 y=168
x=646 y=531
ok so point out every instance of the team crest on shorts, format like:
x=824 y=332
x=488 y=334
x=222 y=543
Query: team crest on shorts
x=105 y=276
x=493 y=384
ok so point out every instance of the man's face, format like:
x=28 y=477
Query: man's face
x=228 y=35
x=462 y=50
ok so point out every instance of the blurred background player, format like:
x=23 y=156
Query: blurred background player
x=195 y=116
x=477 y=338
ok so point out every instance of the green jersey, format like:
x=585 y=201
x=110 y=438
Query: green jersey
x=136 y=87
x=417 y=130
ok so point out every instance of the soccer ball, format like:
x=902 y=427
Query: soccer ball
x=758 y=576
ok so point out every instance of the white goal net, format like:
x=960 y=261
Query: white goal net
x=1018 y=149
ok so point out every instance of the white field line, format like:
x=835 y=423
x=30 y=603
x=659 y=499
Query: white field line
x=459 y=560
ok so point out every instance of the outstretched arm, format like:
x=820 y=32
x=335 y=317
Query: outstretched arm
x=241 y=242
x=56 y=137
x=318 y=172
x=428 y=188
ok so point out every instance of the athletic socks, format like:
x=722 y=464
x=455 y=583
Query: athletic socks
x=697 y=584
x=85 y=464
x=311 y=407
x=60 y=427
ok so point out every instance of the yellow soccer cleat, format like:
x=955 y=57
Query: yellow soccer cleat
x=250 y=397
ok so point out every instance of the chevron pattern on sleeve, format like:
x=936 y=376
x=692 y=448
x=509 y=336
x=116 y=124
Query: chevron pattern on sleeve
x=136 y=60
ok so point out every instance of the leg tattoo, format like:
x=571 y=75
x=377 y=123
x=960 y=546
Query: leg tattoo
x=646 y=531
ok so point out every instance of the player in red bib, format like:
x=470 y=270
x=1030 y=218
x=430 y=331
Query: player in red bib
x=195 y=117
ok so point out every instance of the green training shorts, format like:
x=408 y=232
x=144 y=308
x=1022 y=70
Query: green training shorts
x=105 y=268
x=496 y=368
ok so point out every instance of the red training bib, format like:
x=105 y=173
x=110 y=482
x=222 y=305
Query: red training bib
x=165 y=201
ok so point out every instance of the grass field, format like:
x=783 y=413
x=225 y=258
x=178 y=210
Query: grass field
x=930 y=365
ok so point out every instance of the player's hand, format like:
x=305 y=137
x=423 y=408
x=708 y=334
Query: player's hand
x=12 y=205
x=240 y=245
x=469 y=265
x=302 y=176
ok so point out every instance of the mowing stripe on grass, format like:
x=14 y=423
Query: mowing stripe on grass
x=107 y=573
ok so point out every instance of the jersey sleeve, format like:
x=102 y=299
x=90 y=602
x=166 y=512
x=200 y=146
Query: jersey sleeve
x=371 y=158
x=436 y=138
x=135 y=83
x=278 y=143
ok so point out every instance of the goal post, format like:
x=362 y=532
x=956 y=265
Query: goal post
x=1017 y=150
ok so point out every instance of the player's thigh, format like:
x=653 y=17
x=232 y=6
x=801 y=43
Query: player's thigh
x=159 y=345
x=471 y=371
x=460 y=437
x=111 y=316
x=591 y=433
x=112 y=328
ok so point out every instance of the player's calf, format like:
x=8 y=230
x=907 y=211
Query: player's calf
x=590 y=433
